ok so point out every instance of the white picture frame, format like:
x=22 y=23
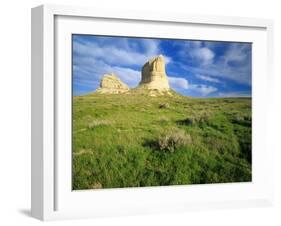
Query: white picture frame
x=52 y=197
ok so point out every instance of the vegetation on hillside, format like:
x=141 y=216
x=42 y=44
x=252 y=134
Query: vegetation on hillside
x=133 y=139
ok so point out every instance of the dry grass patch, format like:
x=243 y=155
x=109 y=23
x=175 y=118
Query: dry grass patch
x=99 y=122
x=81 y=152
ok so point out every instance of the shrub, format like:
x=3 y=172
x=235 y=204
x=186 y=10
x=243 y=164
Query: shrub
x=195 y=119
x=174 y=139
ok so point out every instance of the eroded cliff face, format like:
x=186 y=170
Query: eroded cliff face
x=153 y=75
x=110 y=83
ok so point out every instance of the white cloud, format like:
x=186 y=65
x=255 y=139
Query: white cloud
x=203 y=54
x=236 y=53
x=208 y=78
x=178 y=83
x=197 y=44
x=151 y=46
x=197 y=52
x=204 y=90
x=109 y=54
x=167 y=59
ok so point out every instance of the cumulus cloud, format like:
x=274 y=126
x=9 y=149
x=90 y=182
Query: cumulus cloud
x=181 y=83
x=196 y=52
x=178 y=83
x=208 y=78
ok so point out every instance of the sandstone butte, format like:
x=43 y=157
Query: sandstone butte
x=110 y=83
x=153 y=79
x=153 y=75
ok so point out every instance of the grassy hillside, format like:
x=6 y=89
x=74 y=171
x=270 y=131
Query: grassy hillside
x=132 y=140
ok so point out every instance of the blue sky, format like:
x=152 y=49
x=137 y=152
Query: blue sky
x=194 y=68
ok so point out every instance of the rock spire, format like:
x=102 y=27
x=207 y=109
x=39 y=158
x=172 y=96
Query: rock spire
x=153 y=75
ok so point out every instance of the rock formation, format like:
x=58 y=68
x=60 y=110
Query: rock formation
x=110 y=83
x=153 y=75
x=154 y=81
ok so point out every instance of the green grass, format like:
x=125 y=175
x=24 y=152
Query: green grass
x=132 y=140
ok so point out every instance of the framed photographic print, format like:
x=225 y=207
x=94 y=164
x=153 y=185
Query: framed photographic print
x=138 y=113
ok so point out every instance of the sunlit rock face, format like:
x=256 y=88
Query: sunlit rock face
x=110 y=83
x=153 y=75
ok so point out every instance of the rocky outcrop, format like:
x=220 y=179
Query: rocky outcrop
x=111 y=84
x=153 y=75
x=154 y=81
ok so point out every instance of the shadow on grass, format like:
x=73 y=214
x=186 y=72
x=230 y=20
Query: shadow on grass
x=151 y=144
x=186 y=121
